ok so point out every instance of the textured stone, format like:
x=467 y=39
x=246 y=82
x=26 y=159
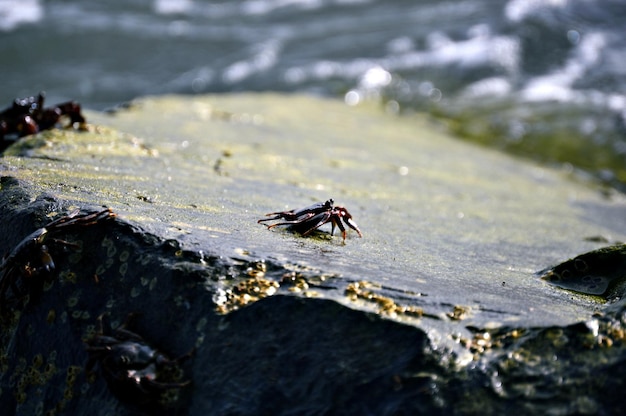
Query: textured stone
x=440 y=294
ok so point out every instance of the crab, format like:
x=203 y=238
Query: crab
x=134 y=370
x=30 y=264
x=306 y=220
x=28 y=116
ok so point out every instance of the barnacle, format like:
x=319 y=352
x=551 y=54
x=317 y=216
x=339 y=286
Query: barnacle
x=245 y=292
x=385 y=305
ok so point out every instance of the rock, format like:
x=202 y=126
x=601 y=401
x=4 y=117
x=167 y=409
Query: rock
x=600 y=272
x=437 y=308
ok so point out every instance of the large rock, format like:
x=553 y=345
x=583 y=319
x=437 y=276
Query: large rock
x=437 y=308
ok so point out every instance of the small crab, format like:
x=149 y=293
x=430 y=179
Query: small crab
x=135 y=371
x=26 y=268
x=305 y=220
x=28 y=116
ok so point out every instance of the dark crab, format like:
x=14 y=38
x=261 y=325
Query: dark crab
x=306 y=220
x=30 y=264
x=28 y=116
x=134 y=371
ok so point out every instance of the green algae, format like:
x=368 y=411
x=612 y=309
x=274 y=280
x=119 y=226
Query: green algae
x=546 y=134
x=438 y=297
x=465 y=225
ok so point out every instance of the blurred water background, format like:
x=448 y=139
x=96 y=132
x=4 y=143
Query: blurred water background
x=545 y=79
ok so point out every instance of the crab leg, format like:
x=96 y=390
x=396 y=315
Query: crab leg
x=296 y=214
x=325 y=217
x=84 y=220
x=341 y=227
x=282 y=215
x=350 y=223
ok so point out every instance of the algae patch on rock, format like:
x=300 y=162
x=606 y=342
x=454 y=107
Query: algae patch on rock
x=460 y=225
x=439 y=293
x=440 y=217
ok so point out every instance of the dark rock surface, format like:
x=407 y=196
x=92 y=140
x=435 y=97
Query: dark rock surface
x=438 y=308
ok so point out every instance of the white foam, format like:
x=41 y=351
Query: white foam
x=518 y=10
x=173 y=6
x=264 y=59
x=14 y=13
x=557 y=85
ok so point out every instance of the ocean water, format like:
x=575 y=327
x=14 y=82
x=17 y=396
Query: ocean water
x=541 y=78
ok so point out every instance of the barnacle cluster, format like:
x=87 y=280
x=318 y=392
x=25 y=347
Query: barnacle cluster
x=484 y=341
x=250 y=282
x=459 y=313
x=386 y=306
x=254 y=287
x=297 y=282
x=37 y=373
x=4 y=361
x=600 y=332
x=70 y=381
x=606 y=331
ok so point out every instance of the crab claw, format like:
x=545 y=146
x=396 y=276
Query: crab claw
x=350 y=223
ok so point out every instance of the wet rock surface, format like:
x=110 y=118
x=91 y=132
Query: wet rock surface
x=437 y=308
